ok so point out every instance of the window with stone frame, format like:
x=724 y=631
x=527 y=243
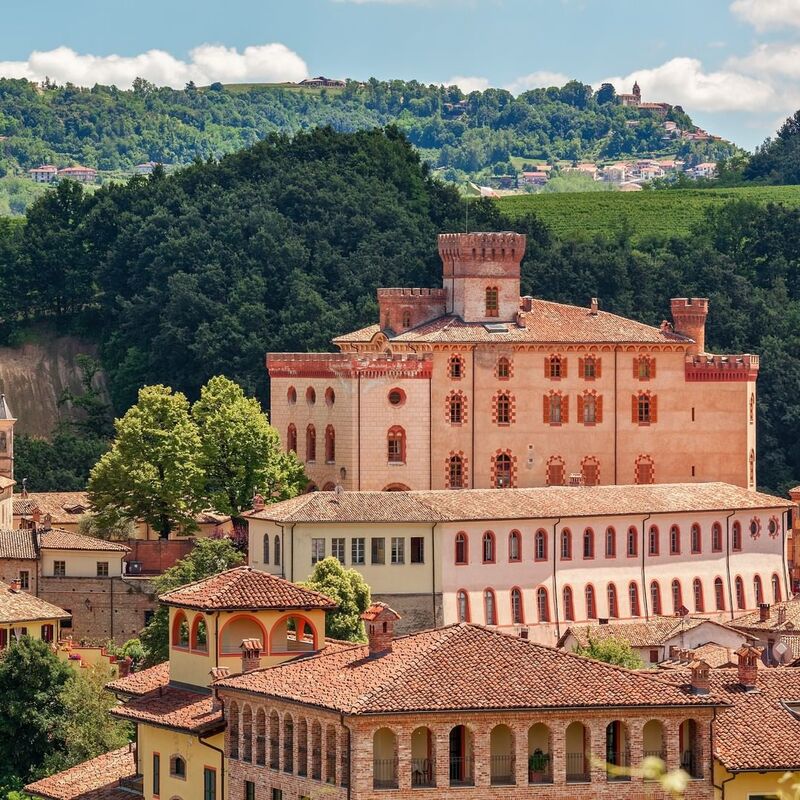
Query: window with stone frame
x=644 y=368
x=556 y=471
x=317 y=550
x=503 y=409
x=455 y=472
x=492 y=301
x=503 y=471
x=291 y=439
x=59 y=569
x=590 y=408
x=455 y=408
x=555 y=409
x=644 y=408
x=555 y=367
x=645 y=470
x=503 y=369
x=590 y=367
x=517 y=616
x=396 y=445
x=357 y=550
x=590 y=471
x=455 y=367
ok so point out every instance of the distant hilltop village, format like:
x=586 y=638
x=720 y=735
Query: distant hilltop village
x=635 y=99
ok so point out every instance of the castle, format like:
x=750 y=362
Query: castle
x=472 y=386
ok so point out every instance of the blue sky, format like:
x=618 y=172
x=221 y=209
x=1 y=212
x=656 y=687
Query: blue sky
x=733 y=64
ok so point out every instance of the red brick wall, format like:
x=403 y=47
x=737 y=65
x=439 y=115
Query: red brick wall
x=11 y=567
x=157 y=555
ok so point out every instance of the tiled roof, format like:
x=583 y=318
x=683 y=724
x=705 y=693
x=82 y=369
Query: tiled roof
x=57 y=539
x=141 y=683
x=63 y=507
x=715 y=655
x=546 y=322
x=653 y=633
x=97 y=779
x=548 y=502
x=243 y=588
x=6 y=482
x=172 y=707
x=458 y=667
x=19 y=544
x=19 y=606
x=784 y=616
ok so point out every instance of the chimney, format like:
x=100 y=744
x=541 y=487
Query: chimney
x=781 y=615
x=594 y=306
x=380 y=619
x=748 y=665
x=258 y=502
x=47 y=522
x=674 y=652
x=15 y=585
x=689 y=319
x=699 y=681
x=124 y=667
x=763 y=612
x=217 y=674
x=251 y=654
x=527 y=303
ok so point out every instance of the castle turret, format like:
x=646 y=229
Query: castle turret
x=481 y=274
x=689 y=319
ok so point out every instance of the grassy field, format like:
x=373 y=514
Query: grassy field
x=662 y=212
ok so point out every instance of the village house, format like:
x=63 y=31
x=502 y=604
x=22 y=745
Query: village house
x=23 y=614
x=146 y=169
x=78 y=173
x=537 y=178
x=322 y=81
x=472 y=386
x=539 y=559
x=46 y=173
x=775 y=628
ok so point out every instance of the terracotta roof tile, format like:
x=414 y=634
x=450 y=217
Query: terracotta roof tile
x=97 y=779
x=715 y=655
x=172 y=707
x=243 y=588
x=784 y=616
x=653 y=633
x=63 y=507
x=496 y=504
x=19 y=606
x=457 y=667
x=18 y=544
x=58 y=539
x=141 y=683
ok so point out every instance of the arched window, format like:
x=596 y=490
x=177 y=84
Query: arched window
x=462 y=602
x=311 y=443
x=503 y=409
x=542 y=605
x=502 y=471
x=677 y=596
x=311 y=396
x=266 y=548
x=611 y=543
x=540 y=546
x=590 y=471
x=697 y=539
x=655 y=597
x=613 y=607
x=741 y=601
x=277 y=550
x=554 y=367
x=396 y=445
x=588 y=543
x=776 y=588
x=633 y=597
x=589 y=367
x=291 y=395
x=569 y=607
x=697 y=590
x=719 y=594
x=674 y=540
x=758 y=590
x=291 y=439
x=589 y=408
x=716 y=537
x=177 y=767
x=199 y=640
x=456 y=367
x=461 y=548
x=515 y=546
x=566 y=544
x=556 y=408
x=736 y=537
x=555 y=471
x=632 y=543
x=644 y=368
x=455 y=409
x=653 y=544
x=645 y=472
x=406 y=320
x=455 y=472
x=517 y=614
x=503 y=368
x=643 y=411
x=180 y=630
x=247 y=734
x=233 y=730
x=489 y=608
x=330 y=444
x=591 y=607
x=492 y=301
x=488 y=543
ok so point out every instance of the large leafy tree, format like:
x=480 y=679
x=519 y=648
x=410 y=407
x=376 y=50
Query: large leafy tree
x=207 y=557
x=240 y=452
x=351 y=592
x=612 y=651
x=152 y=471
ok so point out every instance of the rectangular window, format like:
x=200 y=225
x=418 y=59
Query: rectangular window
x=654 y=656
x=156 y=774
x=589 y=371
x=249 y=790
x=417 y=550
x=643 y=409
x=67 y=623
x=277 y=794
x=337 y=549
x=398 y=550
x=102 y=569
x=357 y=550
x=59 y=569
x=209 y=784
x=317 y=550
x=24 y=579
x=378 y=550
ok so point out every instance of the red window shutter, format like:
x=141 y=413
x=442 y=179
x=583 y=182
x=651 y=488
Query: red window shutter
x=546 y=409
x=580 y=408
x=634 y=408
x=636 y=369
x=564 y=410
x=598 y=409
x=653 y=408
x=581 y=368
x=598 y=362
x=564 y=367
x=652 y=368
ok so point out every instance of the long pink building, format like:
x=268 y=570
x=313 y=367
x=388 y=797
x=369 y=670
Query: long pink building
x=473 y=386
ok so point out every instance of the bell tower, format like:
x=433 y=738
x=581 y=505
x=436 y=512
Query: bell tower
x=6 y=440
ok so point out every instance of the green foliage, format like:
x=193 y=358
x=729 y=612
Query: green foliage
x=240 y=452
x=97 y=418
x=207 y=557
x=777 y=161
x=349 y=590
x=116 y=530
x=152 y=471
x=612 y=651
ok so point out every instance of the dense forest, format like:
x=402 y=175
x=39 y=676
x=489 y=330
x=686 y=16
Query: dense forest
x=281 y=247
x=113 y=130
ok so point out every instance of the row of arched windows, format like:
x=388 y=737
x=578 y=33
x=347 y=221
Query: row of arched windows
x=311 y=396
x=613 y=601
x=276 y=550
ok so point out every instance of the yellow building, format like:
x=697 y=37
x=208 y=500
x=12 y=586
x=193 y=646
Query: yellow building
x=22 y=614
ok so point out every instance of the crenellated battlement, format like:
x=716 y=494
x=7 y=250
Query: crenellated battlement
x=500 y=246
x=437 y=294
x=722 y=368
x=404 y=308
x=348 y=365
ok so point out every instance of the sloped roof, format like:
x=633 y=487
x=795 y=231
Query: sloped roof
x=245 y=588
x=63 y=507
x=18 y=544
x=58 y=539
x=548 y=502
x=715 y=655
x=19 y=606
x=97 y=779
x=141 y=683
x=458 y=667
x=172 y=707
x=788 y=610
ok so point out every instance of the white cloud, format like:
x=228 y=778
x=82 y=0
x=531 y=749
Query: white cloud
x=771 y=59
x=207 y=63
x=765 y=14
x=537 y=80
x=682 y=81
x=468 y=83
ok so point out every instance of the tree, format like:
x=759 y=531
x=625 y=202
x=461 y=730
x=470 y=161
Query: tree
x=240 y=452
x=351 y=593
x=32 y=679
x=612 y=651
x=606 y=94
x=207 y=557
x=152 y=471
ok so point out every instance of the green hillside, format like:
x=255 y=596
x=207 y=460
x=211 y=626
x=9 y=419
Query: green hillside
x=664 y=212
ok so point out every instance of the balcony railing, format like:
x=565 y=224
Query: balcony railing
x=502 y=770
x=384 y=773
x=691 y=763
x=462 y=771
x=577 y=768
x=617 y=761
x=422 y=773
